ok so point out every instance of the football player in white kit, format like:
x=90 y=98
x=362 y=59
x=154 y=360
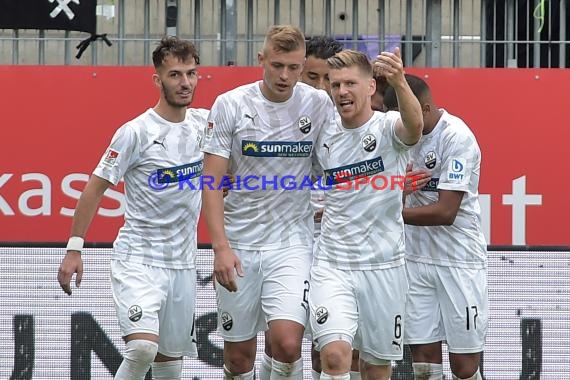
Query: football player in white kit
x=153 y=273
x=446 y=255
x=358 y=278
x=316 y=73
x=262 y=235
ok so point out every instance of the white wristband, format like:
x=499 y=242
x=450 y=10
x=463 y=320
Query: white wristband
x=75 y=243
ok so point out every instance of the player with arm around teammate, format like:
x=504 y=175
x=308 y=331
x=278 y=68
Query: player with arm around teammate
x=153 y=272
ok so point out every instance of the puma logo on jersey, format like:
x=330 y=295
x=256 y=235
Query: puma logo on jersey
x=250 y=117
x=161 y=143
x=327 y=148
x=398 y=344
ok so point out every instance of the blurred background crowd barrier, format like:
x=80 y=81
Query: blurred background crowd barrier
x=433 y=33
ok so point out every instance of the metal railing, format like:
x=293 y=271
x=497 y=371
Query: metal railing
x=432 y=33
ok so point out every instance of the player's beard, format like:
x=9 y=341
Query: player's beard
x=170 y=97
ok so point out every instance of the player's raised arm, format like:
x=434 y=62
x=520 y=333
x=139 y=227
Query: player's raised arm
x=409 y=128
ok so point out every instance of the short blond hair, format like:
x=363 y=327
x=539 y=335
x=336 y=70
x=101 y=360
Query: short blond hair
x=284 y=38
x=350 y=58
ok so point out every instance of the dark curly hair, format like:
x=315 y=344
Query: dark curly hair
x=176 y=47
x=322 y=47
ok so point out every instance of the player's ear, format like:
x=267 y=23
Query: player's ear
x=372 y=87
x=156 y=80
x=260 y=58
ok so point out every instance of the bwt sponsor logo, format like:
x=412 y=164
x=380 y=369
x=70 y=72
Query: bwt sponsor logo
x=457 y=172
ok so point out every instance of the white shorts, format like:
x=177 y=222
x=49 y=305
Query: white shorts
x=158 y=301
x=364 y=308
x=447 y=304
x=275 y=287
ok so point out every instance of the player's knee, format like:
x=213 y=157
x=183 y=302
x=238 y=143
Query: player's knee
x=466 y=376
x=336 y=356
x=137 y=358
x=287 y=349
x=465 y=366
x=238 y=364
x=239 y=357
x=140 y=352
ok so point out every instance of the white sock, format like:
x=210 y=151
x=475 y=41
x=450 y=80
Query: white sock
x=138 y=356
x=244 y=376
x=265 y=369
x=293 y=371
x=428 y=371
x=344 y=376
x=476 y=376
x=171 y=370
x=355 y=375
x=315 y=375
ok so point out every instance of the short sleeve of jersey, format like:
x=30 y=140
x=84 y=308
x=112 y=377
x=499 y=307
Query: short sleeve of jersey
x=390 y=121
x=200 y=116
x=219 y=129
x=461 y=157
x=119 y=156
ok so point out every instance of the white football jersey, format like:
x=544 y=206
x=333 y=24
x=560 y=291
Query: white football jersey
x=318 y=203
x=270 y=149
x=161 y=164
x=318 y=193
x=362 y=229
x=453 y=156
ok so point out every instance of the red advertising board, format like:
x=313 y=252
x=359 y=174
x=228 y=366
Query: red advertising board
x=57 y=121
